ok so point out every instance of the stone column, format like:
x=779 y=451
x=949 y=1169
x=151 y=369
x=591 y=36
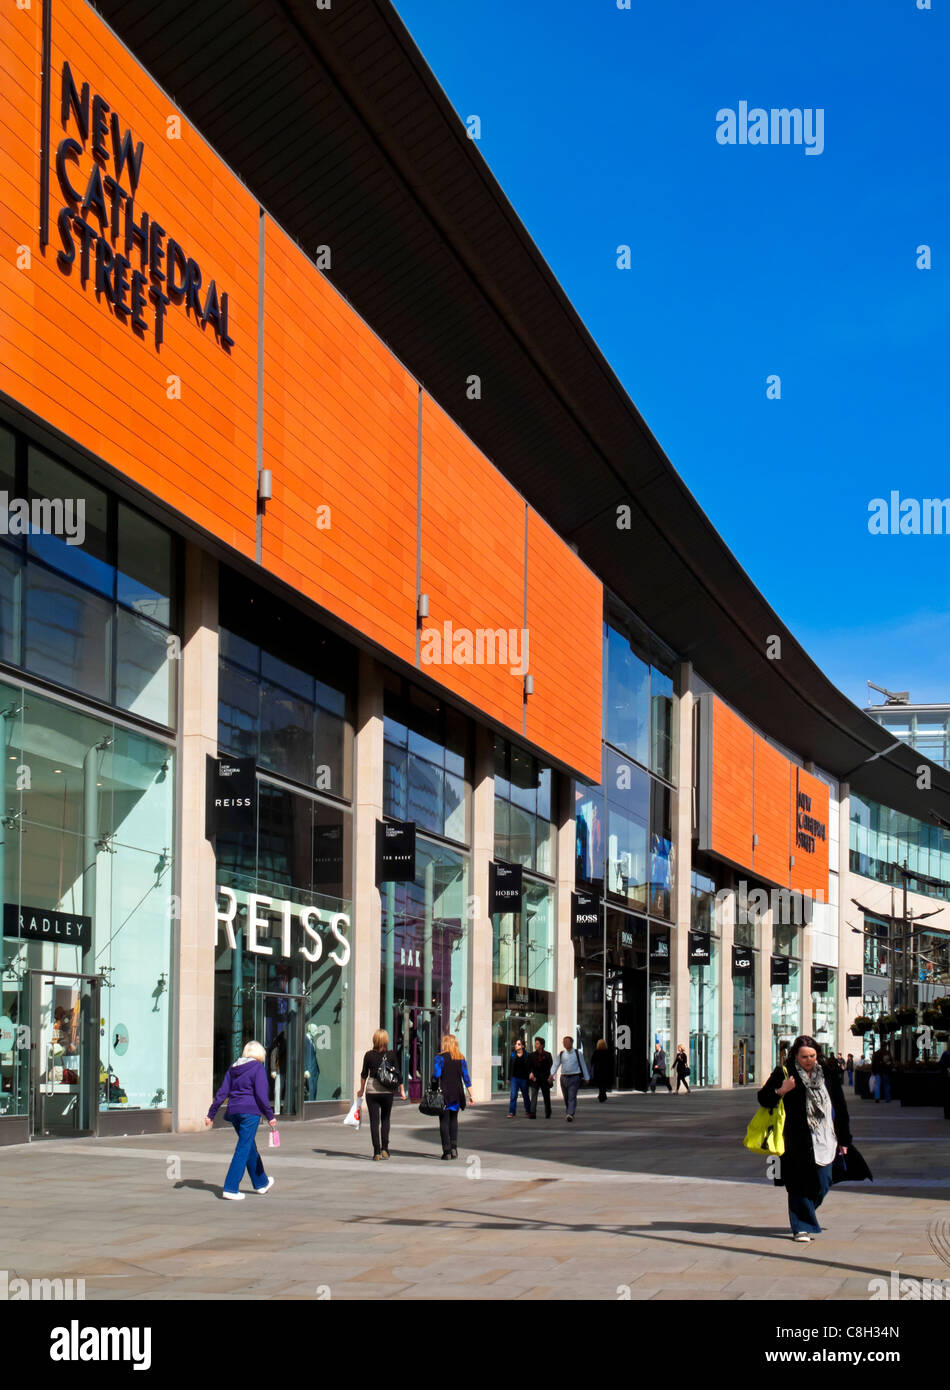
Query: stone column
x=480 y=923
x=763 y=998
x=564 y=1011
x=727 y=929
x=683 y=860
x=850 y=944
x=365 y=967
x=807 y=1012
x=194 y=1027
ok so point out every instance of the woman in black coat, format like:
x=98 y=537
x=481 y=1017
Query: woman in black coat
x=601 y=1069
x=817 y=1128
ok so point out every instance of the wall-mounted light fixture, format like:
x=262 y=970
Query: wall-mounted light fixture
x=265 y=485
x=423 y=605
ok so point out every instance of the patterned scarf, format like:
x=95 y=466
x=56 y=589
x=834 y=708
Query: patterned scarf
x=817 y=1102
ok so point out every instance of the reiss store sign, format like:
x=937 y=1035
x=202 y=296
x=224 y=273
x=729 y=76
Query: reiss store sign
x=277 y=927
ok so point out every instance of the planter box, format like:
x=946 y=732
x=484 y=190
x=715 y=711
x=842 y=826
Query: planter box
x=918 y=1087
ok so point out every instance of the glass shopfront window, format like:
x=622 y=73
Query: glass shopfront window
x=786 y=1013
x=524 y=830
x=426 y=940
x=638 y=696
x=786 y=939
x=743 y=1028
x=661 y=996
x=522 y=977
x=825 y=1014
x=283 y=961
x=627 y=1002
x=627 y=790
x=704 y=1019
x=87 y=587
x=590 y=838
x=426 y=775
x=882 y=841
x=86 y=863
x=286 y=690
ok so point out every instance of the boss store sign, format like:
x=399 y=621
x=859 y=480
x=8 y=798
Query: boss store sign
x=395 y=851
x=504 y=887
x=40 y=924
x=231 y=795
x=585 y=914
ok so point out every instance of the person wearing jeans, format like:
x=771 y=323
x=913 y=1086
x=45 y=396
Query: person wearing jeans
x=817 y=1128
x=539 y=1078
x=573 y=1069
x=245 y=1089
x=520 y=1071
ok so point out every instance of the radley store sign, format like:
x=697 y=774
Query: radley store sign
x=102 y=224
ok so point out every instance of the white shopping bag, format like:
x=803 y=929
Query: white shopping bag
x=353 y=1115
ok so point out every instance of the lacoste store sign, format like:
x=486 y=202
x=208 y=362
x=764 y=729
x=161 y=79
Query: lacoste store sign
x=103 y=222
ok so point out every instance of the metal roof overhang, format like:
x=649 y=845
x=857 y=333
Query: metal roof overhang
x=336 y=124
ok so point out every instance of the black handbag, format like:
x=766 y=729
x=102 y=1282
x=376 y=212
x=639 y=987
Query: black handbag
x=433 y=1101
x=388 y=1074
x=850 y=1167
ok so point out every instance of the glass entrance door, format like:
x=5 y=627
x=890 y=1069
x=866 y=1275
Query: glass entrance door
x=278 y=1024
x=416 y=1036
x=64 y=1054
x=740 y=1062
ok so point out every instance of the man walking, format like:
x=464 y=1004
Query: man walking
x=572 y=1067
x=659 y=1071
x=539 y=1078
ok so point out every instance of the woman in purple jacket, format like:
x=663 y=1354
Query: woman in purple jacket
x=245 y=1089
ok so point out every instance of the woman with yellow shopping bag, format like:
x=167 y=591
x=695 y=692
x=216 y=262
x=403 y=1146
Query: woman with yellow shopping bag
x=816 y=1130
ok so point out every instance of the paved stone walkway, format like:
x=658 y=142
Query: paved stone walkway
x=644 y=1197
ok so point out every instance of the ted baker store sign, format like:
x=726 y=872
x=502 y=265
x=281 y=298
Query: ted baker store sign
x=270 y=925
x=102 y=224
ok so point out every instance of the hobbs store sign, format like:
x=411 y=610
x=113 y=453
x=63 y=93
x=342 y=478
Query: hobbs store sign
x=277 y=920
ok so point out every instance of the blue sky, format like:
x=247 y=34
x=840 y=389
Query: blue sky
x=748 y=261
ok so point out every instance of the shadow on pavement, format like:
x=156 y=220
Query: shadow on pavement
x=477 y=1221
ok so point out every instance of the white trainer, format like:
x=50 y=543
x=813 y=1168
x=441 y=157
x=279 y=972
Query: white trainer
x=262 y=1191
x=233 y=1196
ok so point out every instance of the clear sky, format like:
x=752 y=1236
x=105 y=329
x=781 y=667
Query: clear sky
x=751 y=260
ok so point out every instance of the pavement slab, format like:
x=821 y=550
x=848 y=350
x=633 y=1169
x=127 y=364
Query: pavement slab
x=644 y=1198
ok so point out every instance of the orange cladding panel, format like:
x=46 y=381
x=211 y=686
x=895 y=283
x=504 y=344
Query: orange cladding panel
x=340 y=433
x=809 y=833
x=177 y=419
x=732 y=751
x=565 y=637
x=770 y=807
x=473 y=546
